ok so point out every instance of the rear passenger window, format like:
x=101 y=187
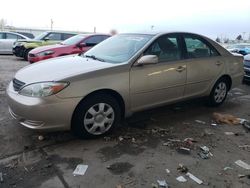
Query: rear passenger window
x=166 y=48
x=1 y=35
x=196 y=48
x=67 y=35
x=11 y=36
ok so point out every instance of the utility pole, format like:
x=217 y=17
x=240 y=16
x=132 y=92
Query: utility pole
x=152 y=27
x=51 y=24
x=94 y=29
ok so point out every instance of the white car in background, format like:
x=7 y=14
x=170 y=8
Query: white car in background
x=7 y=40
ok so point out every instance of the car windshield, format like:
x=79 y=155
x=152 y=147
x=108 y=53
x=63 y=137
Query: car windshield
x=41 y=36
x=74 y=40
x=119 y=48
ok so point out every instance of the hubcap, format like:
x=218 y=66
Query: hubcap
x=220 y=92
x=99 y=118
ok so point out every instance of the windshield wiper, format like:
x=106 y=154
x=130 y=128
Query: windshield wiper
x=95 y=58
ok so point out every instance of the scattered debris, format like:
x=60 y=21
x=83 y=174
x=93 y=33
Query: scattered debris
x=205 y=152
x=244 y=146
x=246 y=124
x=133 y=140
x=191 y=176
x=162 y=183
x=227 y=168
x=199 y=121
x=226 y=118
x=120 y=138
x=214 y=124
x=242 y=164
x=168 y=171
x=182 y=168
x=80 y=169
x=229 y=133
x=1 y=177
x=40 y=137
x=207 y=132
x=181 y=179
x=184 y=150
x=243 y=176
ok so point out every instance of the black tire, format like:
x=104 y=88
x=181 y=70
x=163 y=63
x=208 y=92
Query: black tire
x=26 y=53
x=213 y=99
x=78 y=125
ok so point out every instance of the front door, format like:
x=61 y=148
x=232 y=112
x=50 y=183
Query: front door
x=156 y=84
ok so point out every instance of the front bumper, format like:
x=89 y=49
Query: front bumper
x=48 y=113
x=247 y=73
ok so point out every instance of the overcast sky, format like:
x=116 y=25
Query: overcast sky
x=209 y=17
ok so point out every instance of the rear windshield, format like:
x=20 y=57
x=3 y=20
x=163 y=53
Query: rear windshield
x=74 y=40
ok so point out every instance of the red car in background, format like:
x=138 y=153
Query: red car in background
x=74 y=45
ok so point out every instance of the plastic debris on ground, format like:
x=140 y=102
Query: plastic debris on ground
x=1 y=177
x=182 y=168
x=242 y=164
x=162 y=183
x=80 y=169
x=243 y=176
x=205 y=152
x=199 y=121
x=191 y=176
x=181 y=179
x=227 y=168
x=168 y=171
x=40 y=137
x=229 y=133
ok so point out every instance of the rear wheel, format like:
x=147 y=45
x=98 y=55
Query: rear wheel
x=219 y=92
x=95 y=116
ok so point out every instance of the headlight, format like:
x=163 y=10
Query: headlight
x=45 y=53
x=43 y=89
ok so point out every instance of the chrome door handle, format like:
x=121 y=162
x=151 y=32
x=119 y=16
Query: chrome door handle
x=180 y=68
x=218 y=63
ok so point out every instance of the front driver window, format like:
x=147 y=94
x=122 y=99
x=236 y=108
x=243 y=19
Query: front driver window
x=166 y=48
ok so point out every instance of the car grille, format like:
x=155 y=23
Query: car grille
x=17 y=84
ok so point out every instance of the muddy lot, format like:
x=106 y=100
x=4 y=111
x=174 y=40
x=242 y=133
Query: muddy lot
x=144 y=149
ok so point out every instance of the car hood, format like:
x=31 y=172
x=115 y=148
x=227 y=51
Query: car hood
x=49 y=47
x=59 y=69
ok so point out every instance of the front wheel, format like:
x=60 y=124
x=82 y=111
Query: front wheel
x=26 y=54
x=219 y=92
x=95 y=116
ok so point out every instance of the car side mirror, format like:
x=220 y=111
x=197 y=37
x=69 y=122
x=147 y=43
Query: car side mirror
x=46 y=38
x=81 y=45
x=148 y=59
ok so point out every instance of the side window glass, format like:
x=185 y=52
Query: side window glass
x=11 y=36
x=1 y=35
x=166 y=48
x=92 y=41
x=66 y=36
x=54 y=36
x=196 y=48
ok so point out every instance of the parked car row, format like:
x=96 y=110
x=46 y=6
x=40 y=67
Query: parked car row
x=241 y=48
x=90 y=93
x=7 y=39
x=74 y=45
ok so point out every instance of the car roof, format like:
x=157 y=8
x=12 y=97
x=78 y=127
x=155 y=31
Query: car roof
x=15 y=34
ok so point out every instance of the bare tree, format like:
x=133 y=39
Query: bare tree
x=239 y=37
x=217 y=39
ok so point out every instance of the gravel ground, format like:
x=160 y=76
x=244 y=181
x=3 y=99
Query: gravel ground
x=136 y=154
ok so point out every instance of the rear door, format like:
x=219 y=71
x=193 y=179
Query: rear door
x=204 y=64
